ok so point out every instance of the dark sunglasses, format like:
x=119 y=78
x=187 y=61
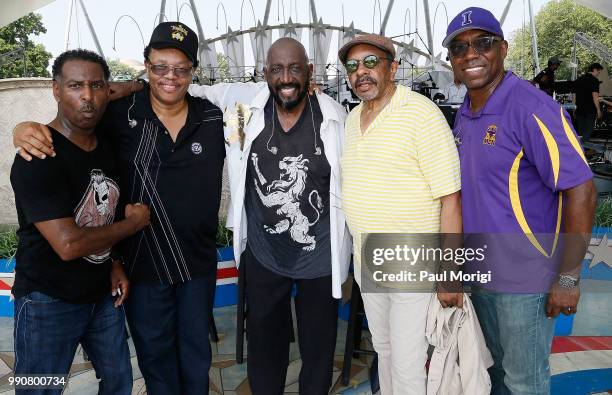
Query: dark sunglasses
x=369 y=61
x=480 y=44
x=163 y=69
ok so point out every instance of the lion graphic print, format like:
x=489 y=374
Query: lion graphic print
x=284 y=195
x=287 y=196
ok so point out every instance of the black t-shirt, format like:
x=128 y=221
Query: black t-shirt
x=584 y=87
x=547 y=84
x=75 y=183
x=180 y=181
x=287 y=196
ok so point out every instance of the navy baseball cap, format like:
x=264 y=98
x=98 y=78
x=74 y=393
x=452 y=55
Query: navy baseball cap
x=469 y=19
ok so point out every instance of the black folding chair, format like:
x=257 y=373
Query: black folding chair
x=352 y=346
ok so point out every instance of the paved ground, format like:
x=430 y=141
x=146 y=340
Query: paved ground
x=573 y=358
x=227 y=377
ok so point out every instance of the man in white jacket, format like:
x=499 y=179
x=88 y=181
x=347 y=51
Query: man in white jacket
x=284 y=148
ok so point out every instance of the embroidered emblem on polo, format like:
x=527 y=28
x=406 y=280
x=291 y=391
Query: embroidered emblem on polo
x=490 y=135
x=196 y=148
x=467 y=20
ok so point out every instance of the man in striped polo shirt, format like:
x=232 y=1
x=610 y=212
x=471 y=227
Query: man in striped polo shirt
x=400 y=173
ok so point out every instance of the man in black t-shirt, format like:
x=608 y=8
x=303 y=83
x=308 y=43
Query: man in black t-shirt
x=65 y=282
x=289 y=229
x=546 y=78
x=586 y=97
x=287 y=205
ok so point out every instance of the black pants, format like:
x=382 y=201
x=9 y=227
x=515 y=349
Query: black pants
x=169 y=325
x=268 y=326
x=585 y=125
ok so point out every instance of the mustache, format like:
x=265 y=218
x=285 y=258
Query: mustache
x=366 y=78
x=87 y=107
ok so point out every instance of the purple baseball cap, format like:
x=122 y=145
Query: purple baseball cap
x=472 y=18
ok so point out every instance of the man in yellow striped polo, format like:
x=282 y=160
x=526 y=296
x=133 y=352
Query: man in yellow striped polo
x=400 y=174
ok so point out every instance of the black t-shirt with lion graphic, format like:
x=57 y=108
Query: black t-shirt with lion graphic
x=75 y=183
x=287 y=196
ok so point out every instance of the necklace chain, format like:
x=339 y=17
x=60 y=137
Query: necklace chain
x=274 y=150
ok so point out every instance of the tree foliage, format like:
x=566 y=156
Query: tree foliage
x=17 y=35
x=219 y=74
x=121 y=71
x=223 y=69
x=556 y=25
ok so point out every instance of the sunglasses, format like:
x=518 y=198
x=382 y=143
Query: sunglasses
x=163 y=69
x=481 y=45
x=369 y=62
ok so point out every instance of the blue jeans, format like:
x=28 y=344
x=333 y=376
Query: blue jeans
x=519 y=336
x=47 y=332
x=169 y=326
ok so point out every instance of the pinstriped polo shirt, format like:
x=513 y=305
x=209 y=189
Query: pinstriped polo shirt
x=179 y=180
x=395 y=172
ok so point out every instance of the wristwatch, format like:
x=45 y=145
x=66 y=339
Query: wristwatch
x=568 y=282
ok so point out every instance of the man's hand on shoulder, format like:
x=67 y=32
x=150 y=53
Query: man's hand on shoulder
x=33 y=138
x=126 y=88
x=314 y=88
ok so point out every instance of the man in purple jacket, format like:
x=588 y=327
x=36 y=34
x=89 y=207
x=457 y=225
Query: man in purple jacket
x=527 y=195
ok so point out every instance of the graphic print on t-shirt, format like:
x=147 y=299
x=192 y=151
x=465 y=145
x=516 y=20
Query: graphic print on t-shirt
x=284 y=195
x=97 y=207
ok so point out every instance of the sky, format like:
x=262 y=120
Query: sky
x=217 y=15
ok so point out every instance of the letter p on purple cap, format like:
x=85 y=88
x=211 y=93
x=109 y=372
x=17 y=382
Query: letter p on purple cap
x=469 y=19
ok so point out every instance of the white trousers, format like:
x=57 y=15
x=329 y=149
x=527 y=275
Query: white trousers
x=397 y=323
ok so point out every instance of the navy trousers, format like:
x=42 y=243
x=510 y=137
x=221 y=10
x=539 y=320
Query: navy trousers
x=169 y=325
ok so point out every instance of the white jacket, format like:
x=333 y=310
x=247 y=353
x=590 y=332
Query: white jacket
x=461 y=358
x=255 y=96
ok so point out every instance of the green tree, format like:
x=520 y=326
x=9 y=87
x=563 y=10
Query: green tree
x=220 y=73
x=120 y=71
x=556 y=24
x=16 y=36
x=223 y=73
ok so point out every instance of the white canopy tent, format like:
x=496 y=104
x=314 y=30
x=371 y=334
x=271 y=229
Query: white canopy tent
x=15 y=9
x=604 y=7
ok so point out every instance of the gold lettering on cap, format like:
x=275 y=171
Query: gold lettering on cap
x=178 y=32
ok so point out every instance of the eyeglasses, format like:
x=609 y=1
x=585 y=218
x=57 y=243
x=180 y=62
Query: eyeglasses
x=369 y=61
x=163 y=69
x=480 y=44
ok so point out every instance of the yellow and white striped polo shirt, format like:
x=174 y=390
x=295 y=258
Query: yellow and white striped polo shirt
x=395 y=172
